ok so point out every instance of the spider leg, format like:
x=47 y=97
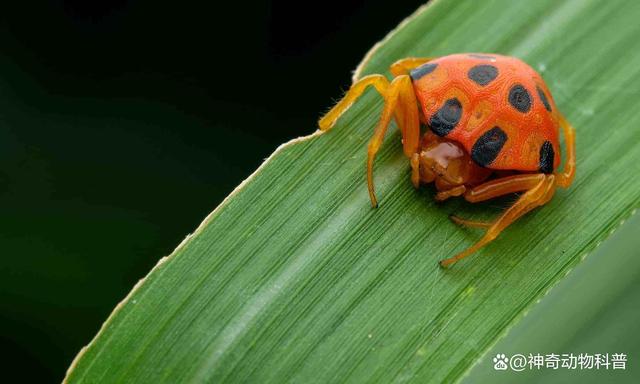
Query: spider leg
x=565 y=178
x=503 y=186
x=455 y=191
x=379 y=82
x=496 y=188
x=469 y=223
x=399 y=101
x=539 y=190
x=399 y=91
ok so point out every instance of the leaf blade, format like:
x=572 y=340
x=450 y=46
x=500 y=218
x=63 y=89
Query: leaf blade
x=295 y=278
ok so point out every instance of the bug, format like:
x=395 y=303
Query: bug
x=491 y=129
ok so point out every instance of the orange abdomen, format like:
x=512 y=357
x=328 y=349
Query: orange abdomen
x=497 y=107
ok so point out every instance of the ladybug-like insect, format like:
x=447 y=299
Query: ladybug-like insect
x=492 y=129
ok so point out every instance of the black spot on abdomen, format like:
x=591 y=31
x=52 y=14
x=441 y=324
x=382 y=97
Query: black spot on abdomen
x=488 y=146
x=546 y=157
x=483 y=74
x=422 y=70
x=446 y=118
x=519 y=98
x=543 y=98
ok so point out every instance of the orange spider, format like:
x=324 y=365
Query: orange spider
x=493 y=129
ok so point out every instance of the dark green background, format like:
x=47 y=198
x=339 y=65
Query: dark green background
x=124 y=123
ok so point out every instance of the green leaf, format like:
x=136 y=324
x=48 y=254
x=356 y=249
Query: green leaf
x=595 y=309
x=295 y=278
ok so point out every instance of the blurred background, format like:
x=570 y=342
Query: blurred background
x=124 y=123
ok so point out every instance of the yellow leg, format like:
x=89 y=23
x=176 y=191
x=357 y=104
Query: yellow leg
x=495 y=188
x=396 y=92
x=400 y=101
x=455 y=191
x=379 y=82
x=565 y=178
x=403 y=66
x=503 y=186
x=415 y=170
x=536 y=196
x=469 y=223
x=407 y=115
